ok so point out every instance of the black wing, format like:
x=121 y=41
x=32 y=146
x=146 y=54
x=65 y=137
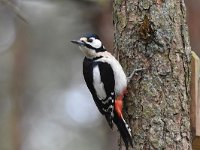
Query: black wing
x=105 y=106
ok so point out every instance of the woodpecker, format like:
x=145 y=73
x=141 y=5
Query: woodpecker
x=106 y=81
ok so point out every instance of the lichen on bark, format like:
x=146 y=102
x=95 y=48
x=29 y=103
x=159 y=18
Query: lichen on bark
x=153 y=34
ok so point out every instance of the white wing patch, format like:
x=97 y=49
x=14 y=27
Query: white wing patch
x=119 y=75
x=98 y=85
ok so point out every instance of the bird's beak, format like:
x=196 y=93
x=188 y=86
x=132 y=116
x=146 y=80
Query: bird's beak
x=78 y=42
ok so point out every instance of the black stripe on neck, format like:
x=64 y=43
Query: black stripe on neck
x=97 y=58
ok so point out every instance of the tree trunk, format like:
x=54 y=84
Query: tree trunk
x=153 y=35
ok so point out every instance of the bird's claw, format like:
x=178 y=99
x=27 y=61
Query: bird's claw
x=133 y=72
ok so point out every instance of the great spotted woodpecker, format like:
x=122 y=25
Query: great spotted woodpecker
x=106 y=81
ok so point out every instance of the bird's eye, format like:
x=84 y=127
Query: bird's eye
x=90 y=40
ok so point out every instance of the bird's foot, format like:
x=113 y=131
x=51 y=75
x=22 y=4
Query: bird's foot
x=134 y=71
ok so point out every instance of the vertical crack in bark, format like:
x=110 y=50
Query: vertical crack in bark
x=170 y=61
x=185 y=60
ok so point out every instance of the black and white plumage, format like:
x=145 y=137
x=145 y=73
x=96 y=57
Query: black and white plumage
x=106 y=81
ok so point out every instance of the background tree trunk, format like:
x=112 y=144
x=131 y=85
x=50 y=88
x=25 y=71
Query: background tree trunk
x=153 y=35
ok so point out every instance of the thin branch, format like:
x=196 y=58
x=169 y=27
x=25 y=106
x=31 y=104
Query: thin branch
x=15 y=9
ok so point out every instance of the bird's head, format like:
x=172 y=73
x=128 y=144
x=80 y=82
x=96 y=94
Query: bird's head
x=90 y=45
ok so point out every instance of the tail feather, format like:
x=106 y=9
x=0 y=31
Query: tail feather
x=109 y=120
x=124 y=130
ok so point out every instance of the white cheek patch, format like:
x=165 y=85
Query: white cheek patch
x=95 y=43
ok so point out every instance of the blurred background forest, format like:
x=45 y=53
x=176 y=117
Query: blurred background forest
x=44 y=103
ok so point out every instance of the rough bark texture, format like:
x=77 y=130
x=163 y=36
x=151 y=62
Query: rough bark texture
x=153 y=34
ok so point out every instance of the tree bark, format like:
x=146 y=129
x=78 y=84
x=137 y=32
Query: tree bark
x=153 y=34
